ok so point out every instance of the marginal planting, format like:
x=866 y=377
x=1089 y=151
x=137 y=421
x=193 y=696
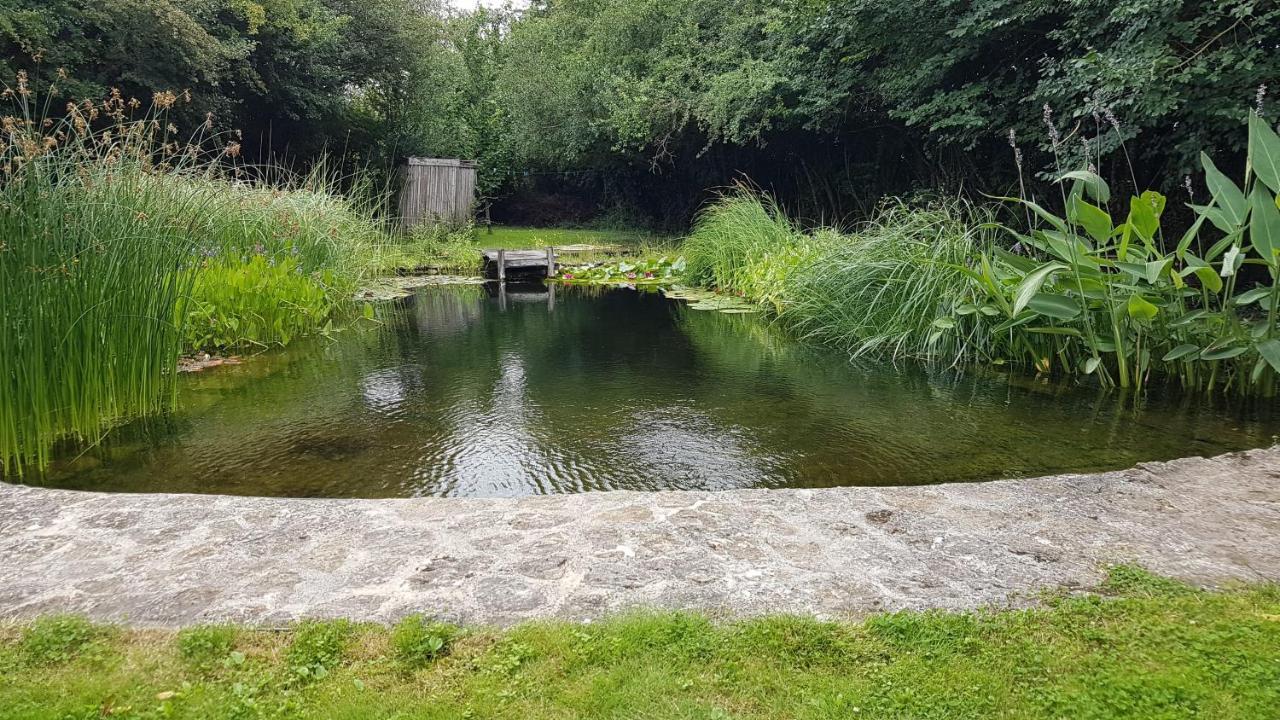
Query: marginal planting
x=121 y=246
x=890 y=287
x=1091 y=292
x=1108 y=294
x=887 y=288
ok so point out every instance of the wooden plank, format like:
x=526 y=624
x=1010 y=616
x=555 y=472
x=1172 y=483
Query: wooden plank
x=551 y=262
x=502 y=266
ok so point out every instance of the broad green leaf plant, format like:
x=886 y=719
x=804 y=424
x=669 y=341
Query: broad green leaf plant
x=1103 y=292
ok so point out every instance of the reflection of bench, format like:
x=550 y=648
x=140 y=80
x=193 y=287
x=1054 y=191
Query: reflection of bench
x=525 y=263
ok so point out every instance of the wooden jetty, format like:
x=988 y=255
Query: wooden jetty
x=526 y=264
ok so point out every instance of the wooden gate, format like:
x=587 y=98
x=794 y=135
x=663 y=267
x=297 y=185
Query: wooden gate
x=438 y=190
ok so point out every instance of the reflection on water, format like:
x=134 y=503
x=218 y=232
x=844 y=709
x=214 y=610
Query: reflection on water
x=471 y=391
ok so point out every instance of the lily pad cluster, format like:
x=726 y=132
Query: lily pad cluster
x=651 y=271
x=392 y=288
x=699 y=299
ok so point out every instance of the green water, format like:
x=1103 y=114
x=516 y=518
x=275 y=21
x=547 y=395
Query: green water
x=457 y=392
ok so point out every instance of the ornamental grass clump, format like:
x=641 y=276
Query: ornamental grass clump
x=743 y=244
x=106 y=222
x=896 y=286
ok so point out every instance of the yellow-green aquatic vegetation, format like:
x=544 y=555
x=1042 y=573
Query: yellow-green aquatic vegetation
x=1108 y=295
x=743 y=244
x=886 y=288
x=261 y=302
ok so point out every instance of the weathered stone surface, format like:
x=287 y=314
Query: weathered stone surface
x=181 y=559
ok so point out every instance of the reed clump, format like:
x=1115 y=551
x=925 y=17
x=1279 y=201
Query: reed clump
x=884 y=288
x=107 y=221
x=1094 y=289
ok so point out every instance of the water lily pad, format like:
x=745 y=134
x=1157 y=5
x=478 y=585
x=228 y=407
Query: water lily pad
x=707 y=300
x=393 y=288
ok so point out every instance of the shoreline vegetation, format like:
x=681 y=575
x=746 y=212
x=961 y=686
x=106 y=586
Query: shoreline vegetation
x=1144 y=646
x=1100 y=291
x=129 y=248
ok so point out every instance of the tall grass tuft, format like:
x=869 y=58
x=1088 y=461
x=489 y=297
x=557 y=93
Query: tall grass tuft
x=106 y=223
x=892 y=287
x=744 y=244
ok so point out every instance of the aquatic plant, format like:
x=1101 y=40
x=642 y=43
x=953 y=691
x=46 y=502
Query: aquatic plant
x=744 y=244
x=257 y=303
x=662 y=270
x=106 y=223
x=1116 y=299
x=895 y=286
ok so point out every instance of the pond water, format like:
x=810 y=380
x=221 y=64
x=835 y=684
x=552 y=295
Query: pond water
x=457 y=392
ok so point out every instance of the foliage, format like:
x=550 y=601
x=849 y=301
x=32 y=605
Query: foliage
x=744 y=244
x=1130 y=653
x=257 y=303
x=895 y=286
x=1116 y=298
x=206 y=647
x=418 y=641
x=90 y=329
x=889 y=288
x=105 y=233
x=57 y=639
x=822 y=100
x=636 y=271
x=375 y=78
x=317 y=647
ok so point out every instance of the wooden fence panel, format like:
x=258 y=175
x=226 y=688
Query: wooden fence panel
x=438 y=190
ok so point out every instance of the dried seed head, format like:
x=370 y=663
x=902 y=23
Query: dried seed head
x=1054 y=137
x=1259 y=97
x=164 y=99
x=1186 y=183
x=1111 y=118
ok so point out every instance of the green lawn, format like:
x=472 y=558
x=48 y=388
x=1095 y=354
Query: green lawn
x=1149 y=648
x=459 y=252
x=524 y=237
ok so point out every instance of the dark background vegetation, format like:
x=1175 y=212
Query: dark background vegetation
x=633 y=111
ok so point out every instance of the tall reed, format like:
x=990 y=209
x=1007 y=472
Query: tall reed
x=106 y=222
x=895 y=286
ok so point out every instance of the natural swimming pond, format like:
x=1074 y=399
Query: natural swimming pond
x=459 y=392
